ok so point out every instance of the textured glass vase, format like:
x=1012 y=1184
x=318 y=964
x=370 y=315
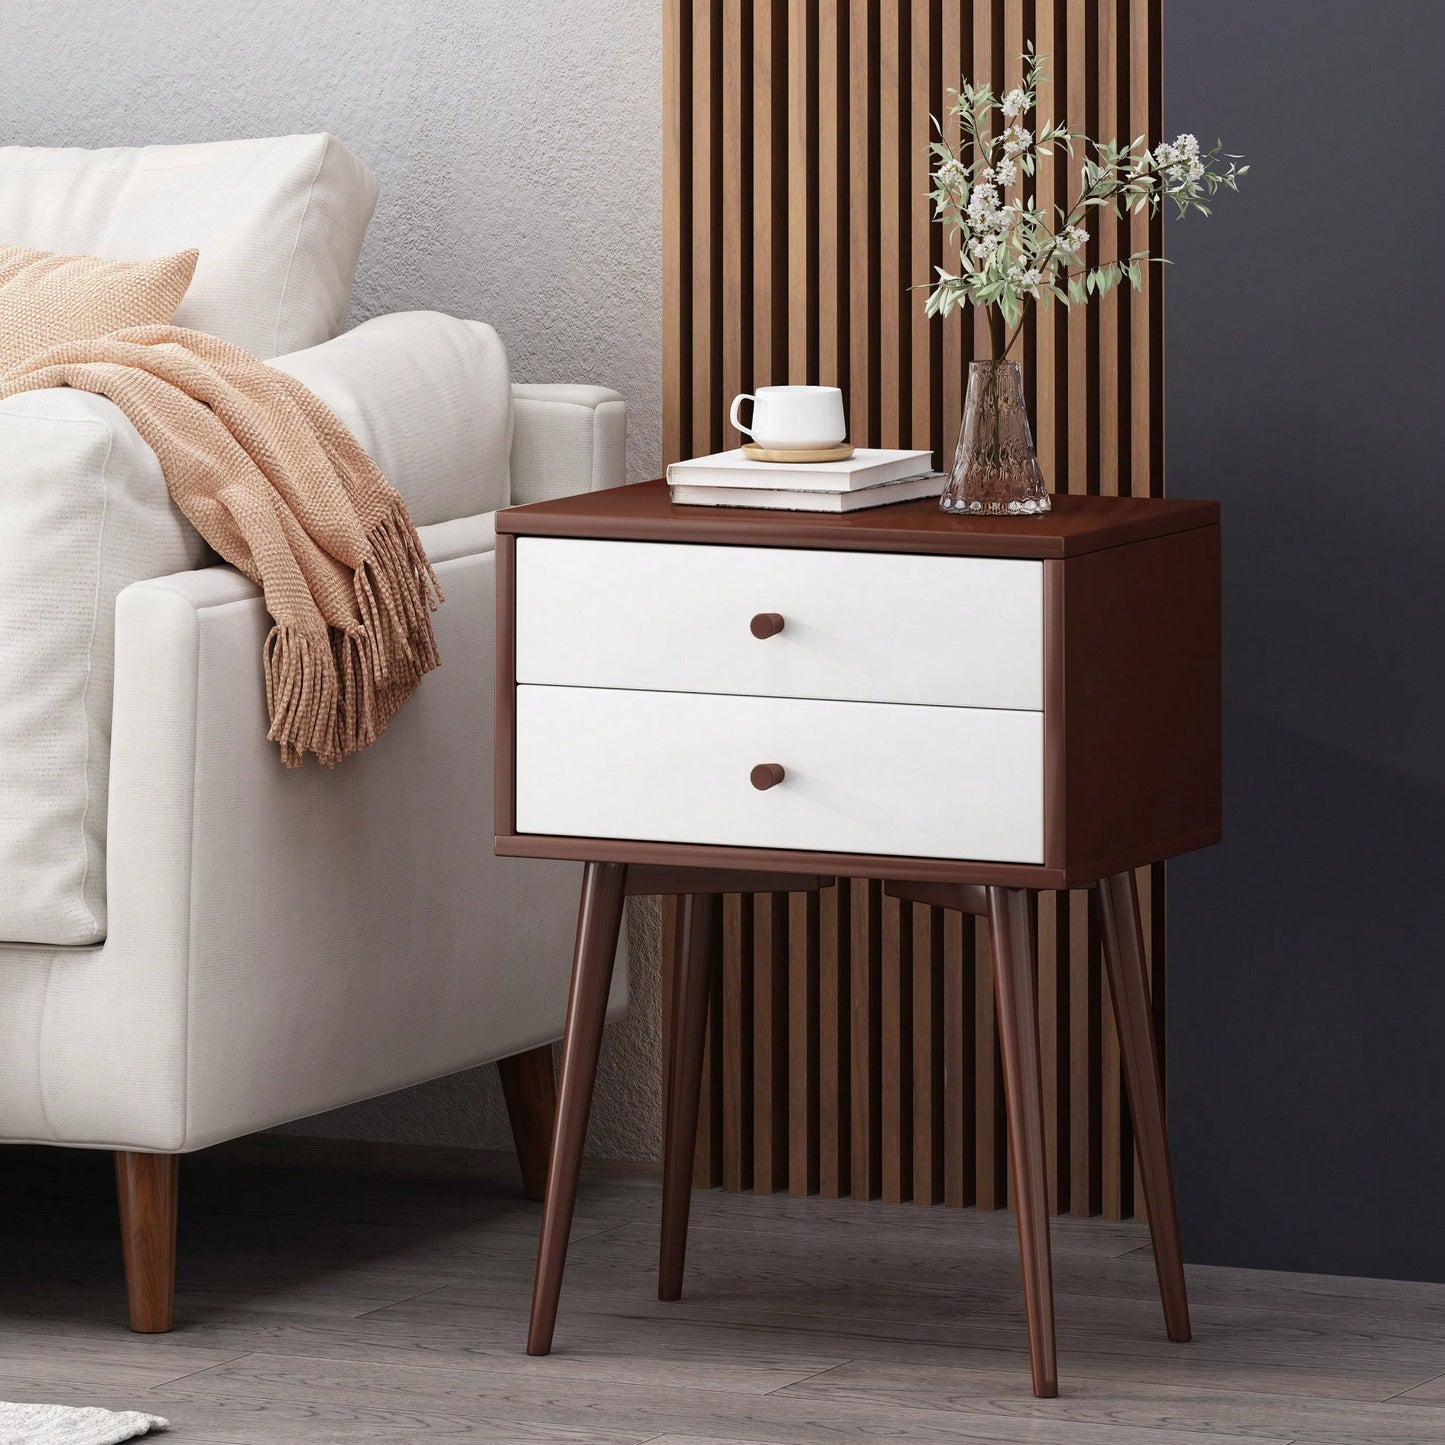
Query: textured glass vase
x=995 y=472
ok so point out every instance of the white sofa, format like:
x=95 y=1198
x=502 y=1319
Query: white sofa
x=207 y=943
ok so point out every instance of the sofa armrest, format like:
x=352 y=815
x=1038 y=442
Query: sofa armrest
x=289 y=940
x=566 y=439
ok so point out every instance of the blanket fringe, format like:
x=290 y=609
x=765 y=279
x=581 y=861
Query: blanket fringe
x=333 y=694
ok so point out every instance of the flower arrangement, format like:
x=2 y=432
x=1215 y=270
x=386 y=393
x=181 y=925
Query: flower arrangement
x=1011 y=252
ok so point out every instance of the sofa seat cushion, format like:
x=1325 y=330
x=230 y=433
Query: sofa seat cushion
x=47 y=298
x=278 y=223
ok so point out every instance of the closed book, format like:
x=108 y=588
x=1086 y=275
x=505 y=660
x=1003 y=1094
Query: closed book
x=785 y=501
x=867 y=467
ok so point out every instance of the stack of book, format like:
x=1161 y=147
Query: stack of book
x=871 y=477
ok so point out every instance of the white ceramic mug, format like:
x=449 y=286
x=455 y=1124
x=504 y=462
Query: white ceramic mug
x=793 y=418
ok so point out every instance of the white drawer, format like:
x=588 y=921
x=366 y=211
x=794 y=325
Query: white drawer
x=864 y=626
x=933 y=782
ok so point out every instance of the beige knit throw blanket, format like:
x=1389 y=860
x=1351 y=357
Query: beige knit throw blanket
x=282 y=490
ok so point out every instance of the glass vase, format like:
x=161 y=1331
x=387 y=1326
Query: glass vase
x=995 y=472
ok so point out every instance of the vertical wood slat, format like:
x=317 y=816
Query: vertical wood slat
x=922 y=334
x=769 y=199
x=676 y=229
x=958 y=1026
x=926 y=963
x=897 y=1051
x=891 y=356
x=802 y=191
x=831 y=141
x=865 y=1040
x=737 y=1088
x=770 y=1042
x=804 y=938
x=956 y=43
x=853 y=1048
x=835 y=1042
x=863 y=228
x=706 y=223
x=736 y=180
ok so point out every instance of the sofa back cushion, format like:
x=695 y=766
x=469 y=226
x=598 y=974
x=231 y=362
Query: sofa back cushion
x=278 y=224
x=430 y=398
x=47 y=298
x=84 y=512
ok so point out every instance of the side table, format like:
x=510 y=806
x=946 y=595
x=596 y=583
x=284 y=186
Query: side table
x=696 y=701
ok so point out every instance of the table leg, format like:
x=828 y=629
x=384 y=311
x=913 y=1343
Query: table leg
x=599 y=919
x=691 y=990
x=1129 y=987
x=1010 y=918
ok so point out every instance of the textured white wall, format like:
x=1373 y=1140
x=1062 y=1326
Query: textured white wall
x=519 y=152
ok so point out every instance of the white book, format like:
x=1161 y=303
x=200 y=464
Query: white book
x=779 y=501
x=867 y=467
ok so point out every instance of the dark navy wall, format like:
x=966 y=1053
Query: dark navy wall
x=1305 y=363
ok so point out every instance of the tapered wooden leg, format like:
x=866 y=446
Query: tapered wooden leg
x=691 y=989
x=529 y=1085
x=1010 y=918
x=1138 y=1051
x=599 y=917
x=147 y=1186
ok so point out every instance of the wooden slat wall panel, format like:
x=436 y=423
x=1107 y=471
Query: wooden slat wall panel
x=853 y=1049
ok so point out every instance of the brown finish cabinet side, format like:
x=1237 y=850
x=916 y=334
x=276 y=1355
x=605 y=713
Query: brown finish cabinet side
x=1136 y=747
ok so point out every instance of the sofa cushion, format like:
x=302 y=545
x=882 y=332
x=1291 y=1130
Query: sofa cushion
x=278 y=224
x=47 y=298
x=84 y=512
x=430 y=399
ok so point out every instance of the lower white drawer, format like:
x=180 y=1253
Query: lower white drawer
x=934 y=782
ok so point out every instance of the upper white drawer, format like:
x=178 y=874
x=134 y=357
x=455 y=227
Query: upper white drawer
x=863 y=626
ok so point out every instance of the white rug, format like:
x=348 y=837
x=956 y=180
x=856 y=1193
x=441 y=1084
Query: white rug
x=62 y=1425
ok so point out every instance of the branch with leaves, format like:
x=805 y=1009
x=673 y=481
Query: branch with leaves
x=1012 y=253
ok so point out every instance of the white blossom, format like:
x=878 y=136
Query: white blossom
x=1025 y=279
x=1015 y=103
x=952 y=175
x=1180 y=162
x=1017 y=141
x=1072 y=239
x=1007 y=173
x=983 y=198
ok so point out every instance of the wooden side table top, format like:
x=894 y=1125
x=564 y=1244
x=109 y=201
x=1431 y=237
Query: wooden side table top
x=1077 y=524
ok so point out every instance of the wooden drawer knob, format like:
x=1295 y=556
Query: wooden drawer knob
x=765 y=624
x=766 y=775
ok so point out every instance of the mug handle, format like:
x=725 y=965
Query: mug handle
x=733 y=414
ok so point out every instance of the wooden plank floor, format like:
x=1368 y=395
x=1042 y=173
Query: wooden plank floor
x=355 y=1293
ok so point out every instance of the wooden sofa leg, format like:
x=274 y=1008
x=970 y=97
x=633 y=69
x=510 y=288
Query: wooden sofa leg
x=529 y=1085
x=148 y=1189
